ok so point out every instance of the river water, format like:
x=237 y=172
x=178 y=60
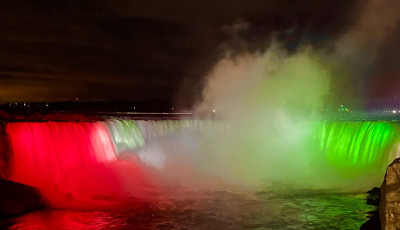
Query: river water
x=231 y=209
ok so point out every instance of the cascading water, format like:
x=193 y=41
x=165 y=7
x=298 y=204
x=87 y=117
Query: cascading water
x=344 y=149
x=358 y=145
x=125 y=135
x=78 y=160
x=171 y=163
x=45 y=152
x=357 y=152
x=69 y=161
x=133 y=134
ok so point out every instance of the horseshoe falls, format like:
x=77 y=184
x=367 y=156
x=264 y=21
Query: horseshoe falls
x=168 y=163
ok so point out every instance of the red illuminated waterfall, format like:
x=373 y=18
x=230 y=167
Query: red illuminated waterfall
x=70 y=160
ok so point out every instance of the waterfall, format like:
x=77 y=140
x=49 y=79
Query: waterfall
x=132 y=134
x=73 y=163
x=125 y=135
x=358 y=145
x=44 y=152
x=354 y=144
x=71 y=157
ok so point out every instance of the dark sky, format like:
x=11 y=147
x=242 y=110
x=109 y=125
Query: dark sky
x=138 y=50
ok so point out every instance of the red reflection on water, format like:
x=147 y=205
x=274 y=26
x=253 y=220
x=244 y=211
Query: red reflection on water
x=71 y=161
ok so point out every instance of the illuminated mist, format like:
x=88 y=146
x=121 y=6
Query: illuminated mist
x=263 y=121
x=259 y=122
x=269 y=111
x=273 y=100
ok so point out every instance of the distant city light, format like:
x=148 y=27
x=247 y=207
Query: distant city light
x=394 y=111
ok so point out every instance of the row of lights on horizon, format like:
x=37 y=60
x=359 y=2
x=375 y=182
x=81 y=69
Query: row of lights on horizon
x=47 y=105
x=214 y=111
x=23 y=103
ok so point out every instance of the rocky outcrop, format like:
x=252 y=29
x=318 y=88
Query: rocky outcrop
x=16 y=198
x=373 y=222
x=389 y=208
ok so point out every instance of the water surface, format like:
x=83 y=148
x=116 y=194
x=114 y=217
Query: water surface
x=264 y=209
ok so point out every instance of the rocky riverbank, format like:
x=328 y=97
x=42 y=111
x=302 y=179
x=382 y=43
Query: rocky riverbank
x=17 y=199
x=389 y=207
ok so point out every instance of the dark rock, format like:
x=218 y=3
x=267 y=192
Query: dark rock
x=373 y=222
x=389 y=208
x=16 y=199
x=374 y=196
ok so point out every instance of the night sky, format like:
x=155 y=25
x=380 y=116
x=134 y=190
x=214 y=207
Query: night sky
x=52 y=50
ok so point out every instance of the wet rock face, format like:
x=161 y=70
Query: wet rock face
x=17 y=199
x=389 y=208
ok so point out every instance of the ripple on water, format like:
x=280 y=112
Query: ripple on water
x=215 y=210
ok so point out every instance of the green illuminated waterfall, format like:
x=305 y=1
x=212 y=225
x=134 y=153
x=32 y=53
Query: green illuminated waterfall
x=358 y=145
x=133 y=134
x=345 y=149
x=125 y=135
